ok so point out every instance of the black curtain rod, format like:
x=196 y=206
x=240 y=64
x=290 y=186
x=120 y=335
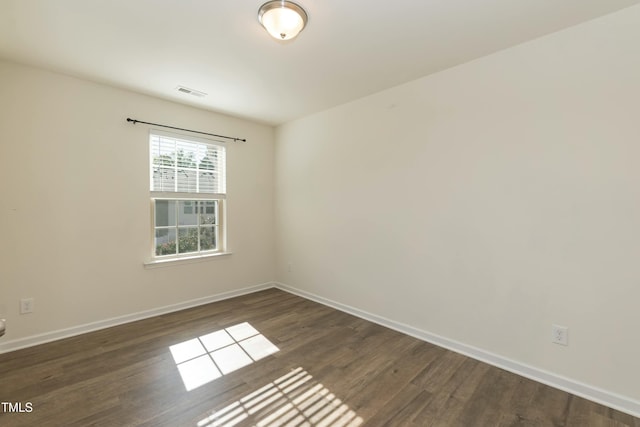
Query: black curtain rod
x=134 y=121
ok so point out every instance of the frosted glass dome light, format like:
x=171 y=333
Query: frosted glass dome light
x=282 y=19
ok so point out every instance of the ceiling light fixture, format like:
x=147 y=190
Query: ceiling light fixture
x=282 y=19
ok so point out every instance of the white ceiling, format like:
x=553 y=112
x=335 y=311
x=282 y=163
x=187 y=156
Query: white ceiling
x=350 y=48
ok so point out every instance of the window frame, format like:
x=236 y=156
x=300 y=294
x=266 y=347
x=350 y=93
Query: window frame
x=220 y=214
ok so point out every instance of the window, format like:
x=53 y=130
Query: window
x=188 y=192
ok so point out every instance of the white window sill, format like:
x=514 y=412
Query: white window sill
x=157 y=263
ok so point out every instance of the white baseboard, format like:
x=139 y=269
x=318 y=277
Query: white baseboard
x=46 y=337
x=610 y=399
x=598 y=395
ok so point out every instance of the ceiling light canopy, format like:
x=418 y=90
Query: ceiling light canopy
x=282 y=19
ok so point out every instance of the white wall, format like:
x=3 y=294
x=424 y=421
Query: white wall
x=74 y=204
x=484 y=203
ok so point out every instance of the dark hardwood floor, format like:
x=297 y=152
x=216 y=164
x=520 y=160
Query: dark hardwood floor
x=327 y=368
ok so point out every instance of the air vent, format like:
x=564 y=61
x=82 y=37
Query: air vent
x=191 y=91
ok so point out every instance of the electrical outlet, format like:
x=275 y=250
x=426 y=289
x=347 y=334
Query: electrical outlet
x=289 y=267
x=559 y=335
x=26 y=305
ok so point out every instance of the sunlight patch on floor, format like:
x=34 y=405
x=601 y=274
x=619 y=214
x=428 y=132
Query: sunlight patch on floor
x=295 y=399
x=208 y=357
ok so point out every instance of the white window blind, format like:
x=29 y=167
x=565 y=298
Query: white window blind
x=185 y=166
